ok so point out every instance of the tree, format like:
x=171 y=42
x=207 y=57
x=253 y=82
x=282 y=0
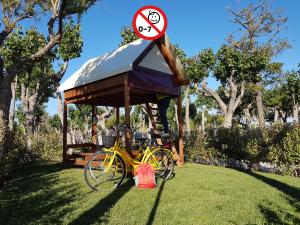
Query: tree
x=279 y=101
x=38 y=81
x=127 y=35
x=293 y=91
x=204 y=103
x=15 y=11
x=260 y=26
x=229 y=66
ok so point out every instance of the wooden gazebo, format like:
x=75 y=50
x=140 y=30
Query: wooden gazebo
x=133 y=74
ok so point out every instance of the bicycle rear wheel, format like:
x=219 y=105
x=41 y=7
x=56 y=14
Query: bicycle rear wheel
x=104 y=171
x=162 y=161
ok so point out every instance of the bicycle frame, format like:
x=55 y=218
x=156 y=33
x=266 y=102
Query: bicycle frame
x=118 y=149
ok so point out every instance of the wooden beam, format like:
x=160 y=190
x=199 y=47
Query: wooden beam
x=101 y=93
x=94 y=124
x=65 y=131
x=168 y=52
x=94 y=87
x=180 y=162
x=127 y=113
x=99 y=103
x=83 y=145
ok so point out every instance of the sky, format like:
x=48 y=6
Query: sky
x=192 y=24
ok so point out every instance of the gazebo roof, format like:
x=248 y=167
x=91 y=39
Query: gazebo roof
x=148 y=66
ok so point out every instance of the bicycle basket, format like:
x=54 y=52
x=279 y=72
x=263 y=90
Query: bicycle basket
x=108 y=141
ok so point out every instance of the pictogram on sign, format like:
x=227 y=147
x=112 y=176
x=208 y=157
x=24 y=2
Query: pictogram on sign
x=150 y=22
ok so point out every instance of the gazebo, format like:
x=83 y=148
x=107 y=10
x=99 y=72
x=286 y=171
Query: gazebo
x=132 y=74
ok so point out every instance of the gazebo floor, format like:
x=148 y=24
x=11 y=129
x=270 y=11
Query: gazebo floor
x=80 y=159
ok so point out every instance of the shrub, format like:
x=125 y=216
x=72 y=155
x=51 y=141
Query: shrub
x=47 y=146
x=196 y=149
x=286 y=148
x=278 y=145
x=13 y=153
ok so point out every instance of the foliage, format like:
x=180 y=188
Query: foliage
x=127 y=35
x=279 y=145
x=79 y=115
x=71 y=43
x=16 y=153
x=47 y=146
x=54 y=122
x=285 y=149
x=196 y=148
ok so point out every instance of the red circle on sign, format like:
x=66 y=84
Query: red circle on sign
x=139 y=12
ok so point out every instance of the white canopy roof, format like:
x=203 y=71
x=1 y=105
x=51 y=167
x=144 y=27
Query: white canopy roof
x=116 y=62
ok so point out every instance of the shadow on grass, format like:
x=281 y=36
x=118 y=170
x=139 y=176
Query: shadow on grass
x=32 y=197
x=156 y=203
x=274 y=214
x=97 y=212
x=291 y=191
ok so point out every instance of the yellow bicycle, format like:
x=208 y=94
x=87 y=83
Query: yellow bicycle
x=108 y=167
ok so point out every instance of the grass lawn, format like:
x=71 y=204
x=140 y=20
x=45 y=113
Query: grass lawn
x=198 y=194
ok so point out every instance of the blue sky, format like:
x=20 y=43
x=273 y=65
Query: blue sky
x=192 y=24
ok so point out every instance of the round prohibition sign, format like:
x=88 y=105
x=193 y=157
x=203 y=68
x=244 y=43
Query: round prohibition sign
x=150 y=22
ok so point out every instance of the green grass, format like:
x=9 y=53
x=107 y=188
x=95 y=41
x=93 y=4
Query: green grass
x=198 y=194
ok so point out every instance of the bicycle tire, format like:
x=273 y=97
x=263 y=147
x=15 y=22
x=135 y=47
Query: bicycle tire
x=162 y=161
x=96 y=168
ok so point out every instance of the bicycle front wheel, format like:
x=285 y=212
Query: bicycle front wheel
x=104 y=171
x=162 y=161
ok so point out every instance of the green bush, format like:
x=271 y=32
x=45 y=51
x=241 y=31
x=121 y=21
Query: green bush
x=278 y=145
x=286 y=148
x=47 y=146
x=237 y=143
x=13 y=153
x=196 y=149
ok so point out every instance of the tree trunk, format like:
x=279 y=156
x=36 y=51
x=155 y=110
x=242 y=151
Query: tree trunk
x=102 y=119
x=60 y=110
x=5 y=99
x=29 y=101
x=296 y=112
x=283 y=115
x=203 y=120
x=13 y=104
x=260 y=106
x=176 y=115
x=275 y=115
x=247 y=114
x=228 y=119
x=187 y=109
x=234 y=98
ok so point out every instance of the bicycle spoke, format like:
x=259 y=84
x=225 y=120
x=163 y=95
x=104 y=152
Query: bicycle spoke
x=104 y=171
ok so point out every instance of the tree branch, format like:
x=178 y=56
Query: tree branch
x=9 y=28
x=215 y=96
x=59 y=75
x=240 y=96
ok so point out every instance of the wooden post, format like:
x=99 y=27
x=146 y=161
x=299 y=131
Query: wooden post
x=127 y=112
x=94 y=125
x=117 y=119
x=65 y=131
x=180 y=162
